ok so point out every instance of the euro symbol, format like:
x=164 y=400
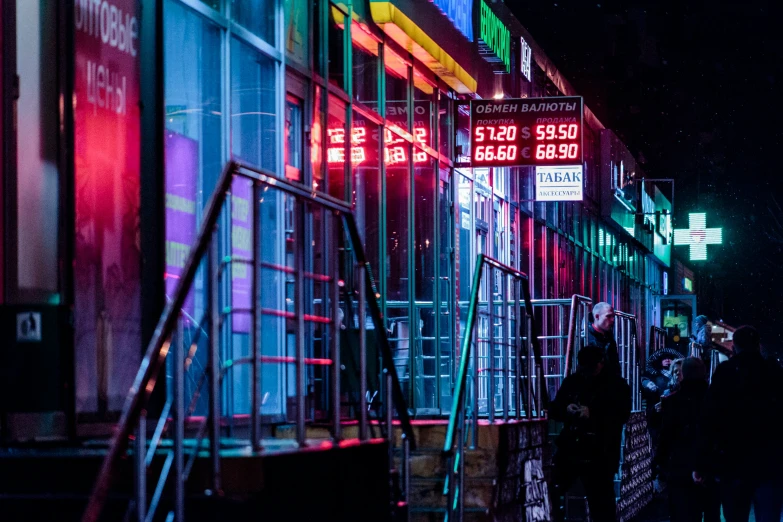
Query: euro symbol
x=526 y=152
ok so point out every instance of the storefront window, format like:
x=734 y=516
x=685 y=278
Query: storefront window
x=317 y=132
x=293 y=138
x=336 y=45
x=401 y=330
x=365 y=154
x=464 y=225
x=425 y=178
x=257 y=16
x=365 y=68
x=337 y=149
x=253 y=106
x=445 y=125
x=296 y=31
x=423 y=110
x=396 y=90
x=214 y=4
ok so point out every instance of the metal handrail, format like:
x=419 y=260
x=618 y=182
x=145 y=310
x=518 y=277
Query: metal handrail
x=631 y=362
x=576 y=300
x=158 y=347
x=457 y=418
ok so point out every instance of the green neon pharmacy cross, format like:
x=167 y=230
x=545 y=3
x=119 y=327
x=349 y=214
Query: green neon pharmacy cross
x=697 y=236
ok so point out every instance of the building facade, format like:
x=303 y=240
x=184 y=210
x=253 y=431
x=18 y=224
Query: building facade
x=116 y=128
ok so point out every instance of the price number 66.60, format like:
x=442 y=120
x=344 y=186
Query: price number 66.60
x=493 y=153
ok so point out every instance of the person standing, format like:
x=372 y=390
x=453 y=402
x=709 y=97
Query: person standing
x=600 y=333
x=593 y=404
x=742 y=413
x=679 y=444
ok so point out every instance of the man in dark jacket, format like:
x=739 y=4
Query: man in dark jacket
x=600 y=333
x=742 y=413
x=593 y=404
x=679 y=444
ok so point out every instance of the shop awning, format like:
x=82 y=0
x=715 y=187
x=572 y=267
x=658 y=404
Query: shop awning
x=405 y=32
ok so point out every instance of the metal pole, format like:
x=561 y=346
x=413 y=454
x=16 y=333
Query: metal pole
x=406 y=470
x=179 y=424
x=530 y=367
x=504 y=346
x=255 y=330
x=476 y=378
x=301 y=389
x=213 y=415
x=363 y=432
x=461 y=453
x=389 y=416
x=518 y=344
x=334 y=260
x=141 y=468
x=491 y=352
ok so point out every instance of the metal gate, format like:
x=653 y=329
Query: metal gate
x=563 y=330
x=630 y=360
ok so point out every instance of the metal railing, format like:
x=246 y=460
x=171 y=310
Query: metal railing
x=500 y=360
x=578 y=321
x=631 y=364
x=657 y=340
x=294 y=300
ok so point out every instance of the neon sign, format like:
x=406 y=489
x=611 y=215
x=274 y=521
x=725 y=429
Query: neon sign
x=460 y=12
x=697 y=236
x=495 y=40
x=526 y=132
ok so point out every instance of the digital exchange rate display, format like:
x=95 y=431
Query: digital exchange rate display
x=526 y=132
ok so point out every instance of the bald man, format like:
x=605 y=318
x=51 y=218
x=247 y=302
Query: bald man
x=601 y=334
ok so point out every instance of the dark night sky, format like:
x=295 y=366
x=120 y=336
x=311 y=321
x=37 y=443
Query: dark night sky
x=694 y=90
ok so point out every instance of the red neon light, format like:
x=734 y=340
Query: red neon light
x=557 y=132
x=496 y=133
x=395 y=150
x=499 y=153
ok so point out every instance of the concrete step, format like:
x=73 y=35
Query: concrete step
x=479 y=493
x=437 y=515
x=431 y=464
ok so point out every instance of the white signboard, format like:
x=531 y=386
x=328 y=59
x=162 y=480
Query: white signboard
x=525 y=58
x=559 y=183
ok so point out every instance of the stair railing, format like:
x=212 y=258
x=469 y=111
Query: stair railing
x=562 y=326
x=579 y=320
x=500 y=361
x=178 y=334
x=625 y=332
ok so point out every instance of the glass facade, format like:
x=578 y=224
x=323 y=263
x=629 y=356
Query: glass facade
x=311 y=91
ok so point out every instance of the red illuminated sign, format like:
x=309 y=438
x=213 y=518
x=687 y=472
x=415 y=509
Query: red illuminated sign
x=395 y=150
x=526 y=132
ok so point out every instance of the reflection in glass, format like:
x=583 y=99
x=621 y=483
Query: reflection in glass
x=257 y=16
x=425 y=178
x=365 y=68
x=336 y=148
x=397 y=273
x=336 y=44
x=397 y=73
x=253 y=98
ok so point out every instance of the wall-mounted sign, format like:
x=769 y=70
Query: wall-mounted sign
x=665 y=283
x=460 y=12
x=526 y=132
x=525 y=58
x=494 y=40
x=364 y=139
x=697 y=236
x=559 y=183
x=687 y=284
x=664 y=225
